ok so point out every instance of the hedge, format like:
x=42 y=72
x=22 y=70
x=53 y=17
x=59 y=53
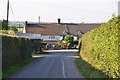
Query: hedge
x=79 y=44
x=100 y=48
x=9 y=32
x=14 y=50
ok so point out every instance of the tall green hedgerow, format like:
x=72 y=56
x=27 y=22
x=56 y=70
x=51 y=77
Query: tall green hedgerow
x=14 y=50
x=100 y=48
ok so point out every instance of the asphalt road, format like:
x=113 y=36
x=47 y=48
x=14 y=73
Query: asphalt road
x=54 y=65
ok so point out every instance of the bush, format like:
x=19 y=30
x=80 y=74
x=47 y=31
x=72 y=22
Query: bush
x=10 y=32
x=36 y=45
x=4 y=31
x=100 y=48
x=13 y=28
x=4 y=25
x=14 y=50
x=20 y=29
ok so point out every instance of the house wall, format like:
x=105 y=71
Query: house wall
x=75 y=38
x=24 y=29
x=51 y=40
x=51 y=37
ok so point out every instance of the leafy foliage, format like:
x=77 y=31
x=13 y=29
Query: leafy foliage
x=14 y=50
x=89 y=71
x=13 y=69
x=100 y=48
x=20 y=29
x=62 y=44
x=12 y=28
x=4 y=25
x=68 y=38
x=9 y=32
x=36 y=45
x=4 y=29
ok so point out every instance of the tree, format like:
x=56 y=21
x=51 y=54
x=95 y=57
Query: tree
x=13 y=28
x=4 y=25
x=69 y=39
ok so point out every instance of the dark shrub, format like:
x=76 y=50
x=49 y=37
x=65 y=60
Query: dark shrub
x=14 y=50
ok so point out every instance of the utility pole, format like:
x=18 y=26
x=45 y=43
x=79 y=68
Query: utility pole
x=39 y=19
x=7 y=13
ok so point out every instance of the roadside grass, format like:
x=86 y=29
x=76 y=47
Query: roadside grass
x=20 y=29
x=13 y=69
x=88 y=71
x=40 y=53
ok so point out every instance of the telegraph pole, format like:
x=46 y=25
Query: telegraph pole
x=39 y=19
x=7 y=12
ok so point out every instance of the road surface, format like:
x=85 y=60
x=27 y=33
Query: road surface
x=57 y=64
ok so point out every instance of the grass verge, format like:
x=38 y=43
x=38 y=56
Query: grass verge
x=13 y=69
x=88 y=71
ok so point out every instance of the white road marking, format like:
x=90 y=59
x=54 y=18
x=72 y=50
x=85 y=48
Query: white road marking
x=63 y=69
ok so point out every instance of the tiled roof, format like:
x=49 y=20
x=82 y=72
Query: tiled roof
x=58 y=29
x=74 y=29
x=44 y=29
x=30 y=36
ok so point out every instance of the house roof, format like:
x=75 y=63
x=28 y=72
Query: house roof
x=44 y=29
x=58 y=29
x=30 y=36
x=75 y=29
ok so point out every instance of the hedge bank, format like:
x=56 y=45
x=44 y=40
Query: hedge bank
x=14 y=50
x=100 y=48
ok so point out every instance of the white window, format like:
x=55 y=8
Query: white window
x=51 y=37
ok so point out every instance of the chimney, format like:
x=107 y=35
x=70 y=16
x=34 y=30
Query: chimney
x=59 y=21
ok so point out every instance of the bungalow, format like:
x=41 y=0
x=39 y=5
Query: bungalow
x=51 y=33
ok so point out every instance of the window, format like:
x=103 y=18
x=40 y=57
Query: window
x=51 y=37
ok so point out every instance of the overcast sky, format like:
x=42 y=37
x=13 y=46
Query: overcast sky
x=76 y=11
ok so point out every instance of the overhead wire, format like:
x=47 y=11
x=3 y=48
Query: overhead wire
x=12 y=12
x=75 y=9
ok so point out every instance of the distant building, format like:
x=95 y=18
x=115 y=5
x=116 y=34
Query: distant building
x=17 y=23
x=51 y=33
x=30 y=36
